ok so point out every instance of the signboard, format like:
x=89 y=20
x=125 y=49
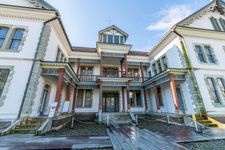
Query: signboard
x=52 y=109
x=66 y=106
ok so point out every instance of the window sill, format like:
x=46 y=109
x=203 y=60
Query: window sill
x=136 y=106
x=83 y=107
x=207 y=63
x=218 y=105
x=10 y=51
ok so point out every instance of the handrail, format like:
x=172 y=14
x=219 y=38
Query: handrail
x=7 y=130
x=45 y=127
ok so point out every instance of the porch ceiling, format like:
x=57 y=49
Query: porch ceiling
x=163 y=77
x=52 y=69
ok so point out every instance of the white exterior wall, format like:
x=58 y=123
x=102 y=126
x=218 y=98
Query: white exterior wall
x=172 y=52
x=15 y=92
x=54 y=43
x=206 y=69
x=21 y=62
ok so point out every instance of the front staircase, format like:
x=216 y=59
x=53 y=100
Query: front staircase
x=205 y=121
x=28 y=126
x=117 y=118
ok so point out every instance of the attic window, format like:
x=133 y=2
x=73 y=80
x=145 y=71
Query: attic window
x=222 y=22
x=215 y=23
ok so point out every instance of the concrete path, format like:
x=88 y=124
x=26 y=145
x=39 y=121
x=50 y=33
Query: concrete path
x=187 y=136
x=28 y=141
x=124 y=137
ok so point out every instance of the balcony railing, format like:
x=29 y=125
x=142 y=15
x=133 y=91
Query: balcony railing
x=87 y=78
x=93 y=78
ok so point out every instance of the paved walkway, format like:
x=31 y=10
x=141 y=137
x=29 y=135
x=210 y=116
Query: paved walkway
x=187 y=136
x=28 y=141
x=124 y=137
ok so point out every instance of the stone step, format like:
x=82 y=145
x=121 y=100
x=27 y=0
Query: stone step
x=31 y=122
x=211 y=125
x=23 y=131
x=204 y=121
x=25 y=126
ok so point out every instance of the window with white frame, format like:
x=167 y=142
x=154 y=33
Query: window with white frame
x=4 y=73
x=112 y=39
x=11 y=38
x=84 y=98
x=214 y=93
x=159 y=66
x=209 y=54
x=222 y=22
x=221 y=84
x=164 y=61
x=3 y=33
x=205 y=54
x=60 y=57
x=116 y=39
x=215 y=24
x=200 y=53
x=135 y=98
x=154 y=69
x=16 y=39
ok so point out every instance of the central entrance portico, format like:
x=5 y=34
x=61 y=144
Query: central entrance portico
x=110 y=102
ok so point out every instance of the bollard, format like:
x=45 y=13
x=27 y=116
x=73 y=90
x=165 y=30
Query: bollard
x=72 y=123
x=136 y=120
x=107 y=120
x=168 y=119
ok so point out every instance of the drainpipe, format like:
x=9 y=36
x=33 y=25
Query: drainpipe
x=33 y=63
x=190 y=68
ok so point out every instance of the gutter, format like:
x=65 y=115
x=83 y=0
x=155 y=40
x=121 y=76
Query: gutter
x=32 y=67
x=199 y=100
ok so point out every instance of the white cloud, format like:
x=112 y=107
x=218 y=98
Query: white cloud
x=169 y=17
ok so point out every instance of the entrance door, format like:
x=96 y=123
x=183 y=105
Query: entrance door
x=181 y=100
x=44 y=101
x=110 y=102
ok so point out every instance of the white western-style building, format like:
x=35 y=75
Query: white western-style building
x=183 y=74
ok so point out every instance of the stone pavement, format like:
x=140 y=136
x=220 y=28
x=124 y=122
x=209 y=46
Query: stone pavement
x=28 y=141
x=128 y=137
x=190 y=136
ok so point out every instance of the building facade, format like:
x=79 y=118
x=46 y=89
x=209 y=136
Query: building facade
x=183 y=74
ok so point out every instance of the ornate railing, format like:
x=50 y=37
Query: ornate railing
x=93 y=78
x=87 y=78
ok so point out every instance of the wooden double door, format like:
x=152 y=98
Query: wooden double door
x=110 y=102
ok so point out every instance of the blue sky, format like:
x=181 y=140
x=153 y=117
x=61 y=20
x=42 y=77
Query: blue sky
x=146 y=21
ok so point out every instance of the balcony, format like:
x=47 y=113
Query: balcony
x=94 y=78
x=87 y=78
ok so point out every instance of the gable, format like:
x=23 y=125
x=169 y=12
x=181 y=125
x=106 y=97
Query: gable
x=205 y=21
x=113 y=30
x=206 y=17
x=40 y=4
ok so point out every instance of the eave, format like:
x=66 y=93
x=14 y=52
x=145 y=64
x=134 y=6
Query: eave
x=200 y=33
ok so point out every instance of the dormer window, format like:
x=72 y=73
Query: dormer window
x=110 y=39
x=112 y=35
x=104 y=38
x=116 y=39
x=121 y=39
